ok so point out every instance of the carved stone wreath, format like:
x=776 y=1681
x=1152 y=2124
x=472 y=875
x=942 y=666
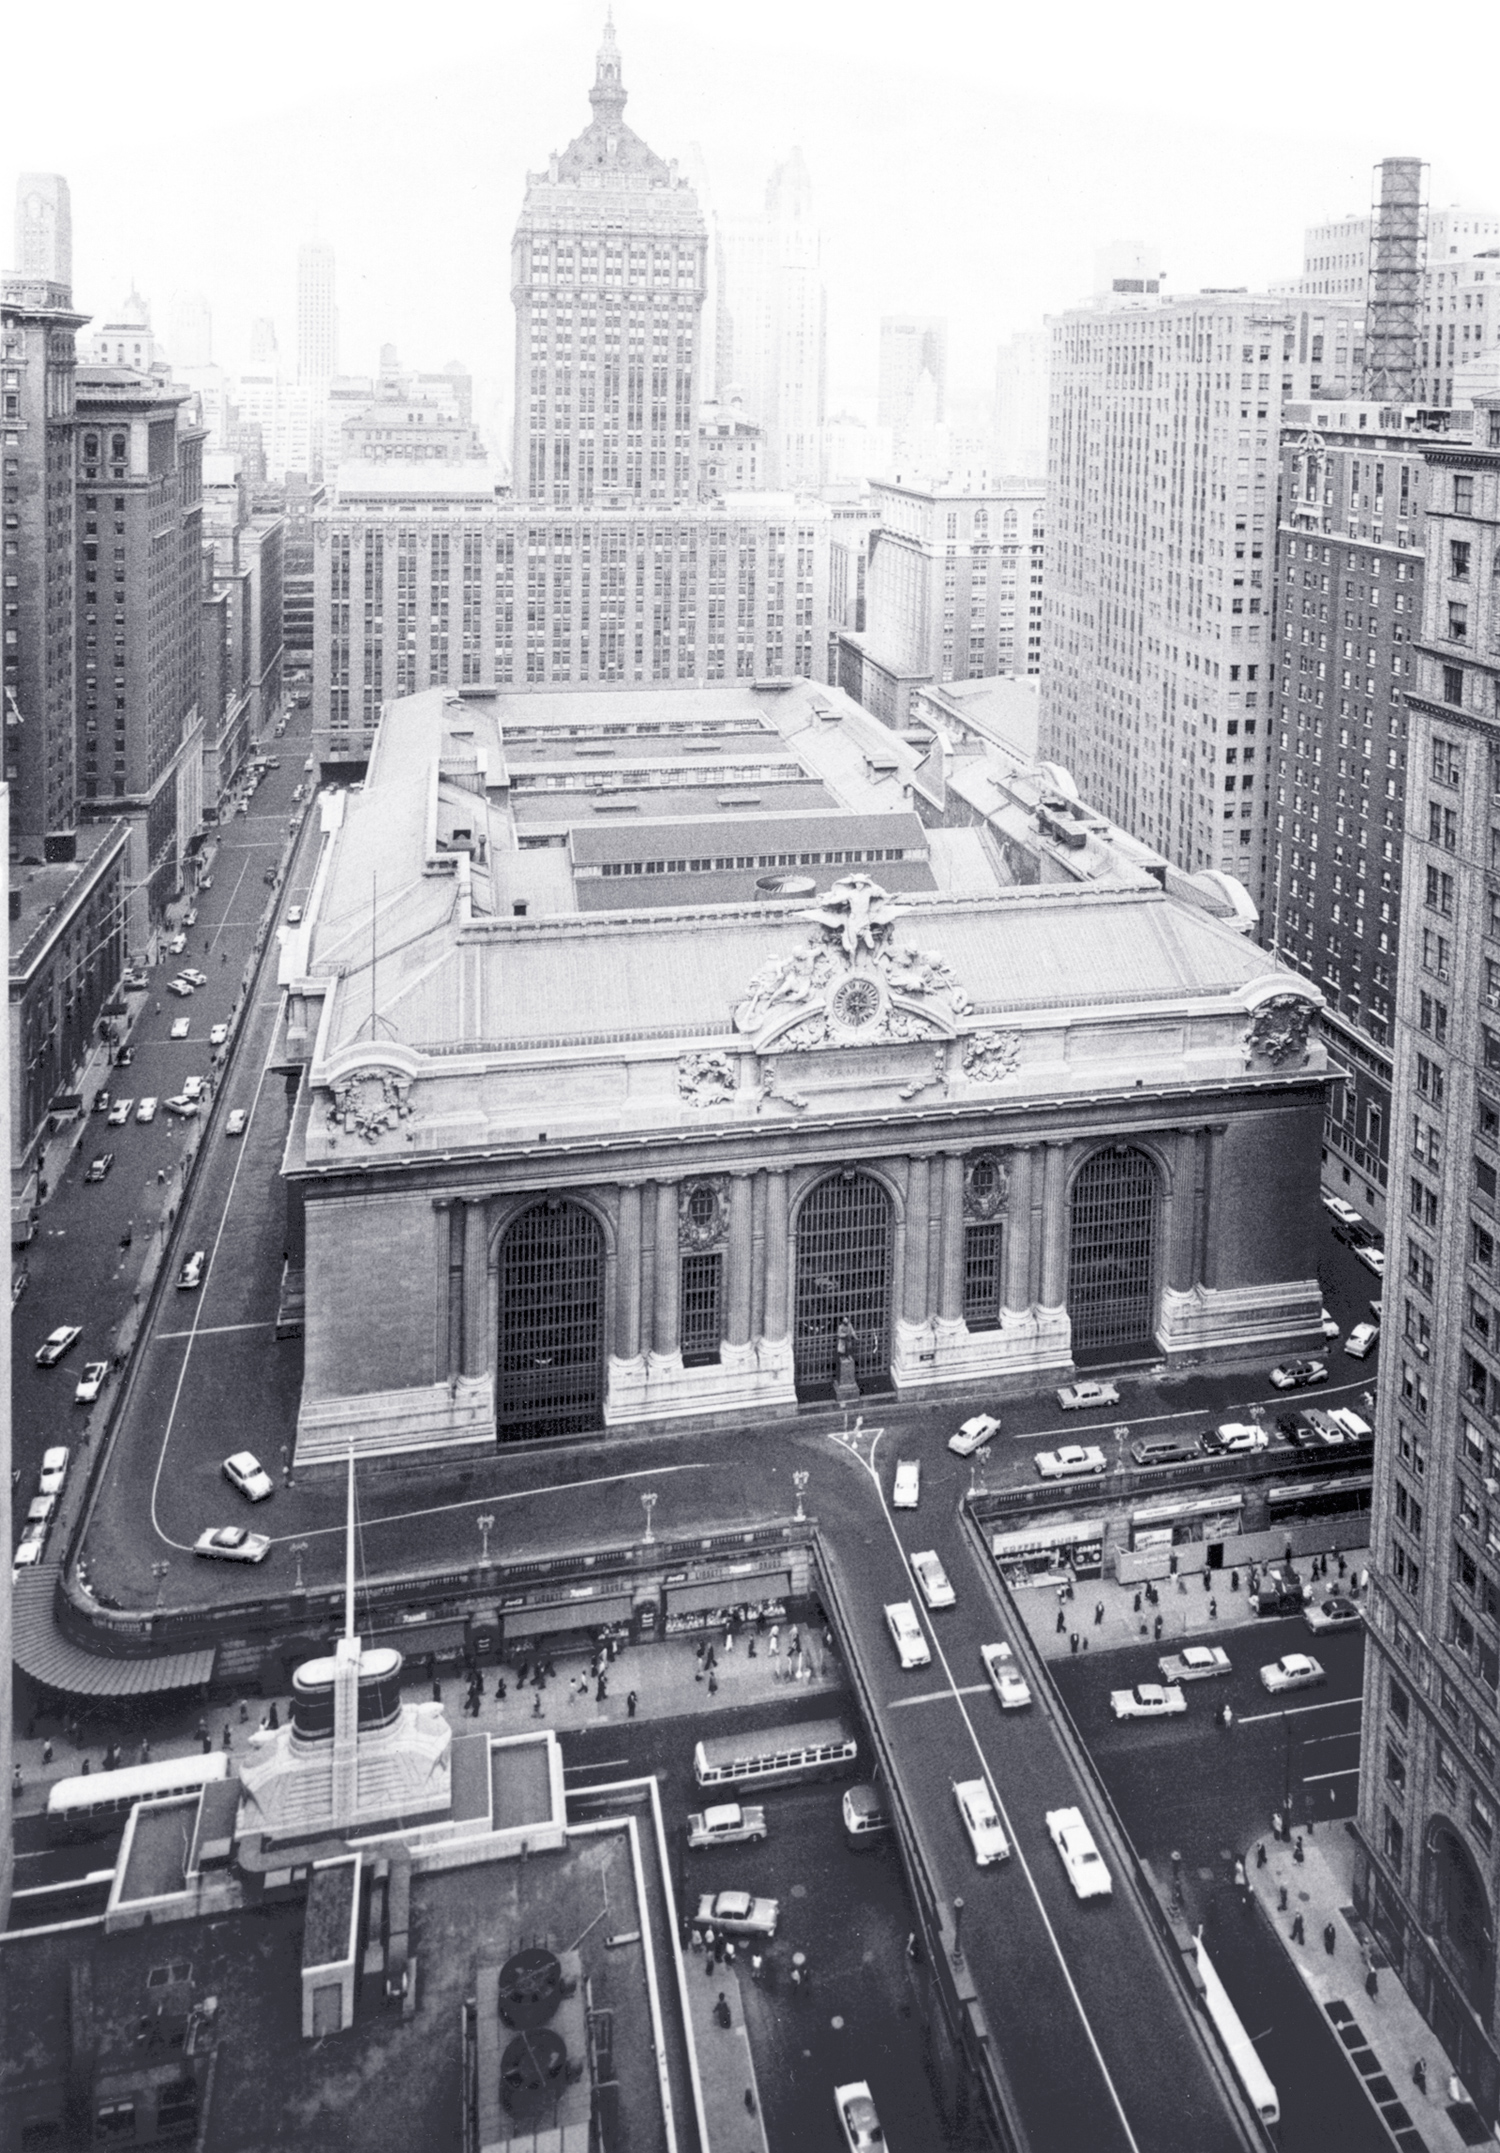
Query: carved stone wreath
x=991 y=1057
x=986 y=1187
x=706 y=1079
x=370 y=1101
x=1277 y=1033
x=702 y=1214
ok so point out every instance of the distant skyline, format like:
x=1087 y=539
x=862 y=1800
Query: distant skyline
x=973 y=172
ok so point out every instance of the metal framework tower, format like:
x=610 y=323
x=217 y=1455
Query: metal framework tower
x=1398 y=231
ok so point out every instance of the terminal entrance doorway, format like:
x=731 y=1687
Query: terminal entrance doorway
x=843 y=1300
x=550 y=1363
x=1112 y=1253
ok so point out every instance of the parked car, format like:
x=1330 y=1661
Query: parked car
x=193 y=1087
x=1011 y=1687
x=101 y=1101
x=54 y=1469
x=91 y=1382
x=736 y=1913
x=218 y=1033
x=99 y=1166
x=146 y=1111
x=294 y=915
x=1071 y=1462
x=1293 y=1671
x=1081 y=1858
x=135 y=982
x=1292 y=1428
x=1148 y=1700
x=41 y=1509
x=1363 y=1339
x=235 y=1125
x=57 y=1343
x=181 y=1105
x=1296 y=1375
x=175 y=945
x=1235 y=1435
x=28 y=1555
x=1344 y=1212
x=973 y=1435
x=857 y=2118
x=1327 y=1325
x=933 y=1579
x=906 y=1493
x=727 y=1824
x=1074 y=1397
x=981 y=1821
x=1336 y=1613
x=1338 y=1424
x=119 y=1113
x=912 y=1648
x=1373 y=1259
x=232 y=1543
x=244 y=1471
x=1194 y=1663
x=191 y=1275
x=1163 y=1449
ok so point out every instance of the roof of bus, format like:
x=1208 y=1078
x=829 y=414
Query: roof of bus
x=136 y=1781
x=777 y=1741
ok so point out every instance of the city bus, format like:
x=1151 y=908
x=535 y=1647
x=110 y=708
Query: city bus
x=777 y=1756
x=95 y=1802
x=1239 y=2047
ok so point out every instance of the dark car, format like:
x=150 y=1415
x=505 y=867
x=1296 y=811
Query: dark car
x=1292 y=1428
x=100 y=1166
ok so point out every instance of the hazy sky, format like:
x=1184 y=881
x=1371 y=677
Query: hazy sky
x=966 y=159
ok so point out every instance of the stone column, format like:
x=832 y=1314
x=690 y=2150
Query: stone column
x=668 y=1270
x=739 y=1259
x=758 y=1257
x=1054 y=1225
x=777 y=1320
x=916 y=1240
x=1213 y=1172
x=951 y=1285
x=476 y=1284
x=1180 y=1216
x=1018 y=1233
x=628 y=1275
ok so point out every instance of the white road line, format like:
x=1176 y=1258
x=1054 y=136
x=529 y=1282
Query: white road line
x=1350 y=1771
x=483 y=1502
x=972 y=1689
x=217 y=1330
x=604 y=1764
x=1296 y=1711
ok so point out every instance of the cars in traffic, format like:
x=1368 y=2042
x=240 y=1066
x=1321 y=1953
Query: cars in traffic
x=57 y=1343
x=973 y=1435
x=191 y=1275
x=857 y=2117
x=1335 y=1613
x=54 y=1469
x=181 y=1105
x=180 y=987
x=1071 y=1461
x=736 y=1913
x=1194 y=1663
x=912 y=1648
x=866 y=1817
x=232 y=1543
x=933 y=1579
x=1075 y=1397
x=180 y=1028
x=1148 y=1700
x=119 y=1113
x=726 y=1824
x=1010 y=1685
x=194 y=978
x=235 y=1124
x=91 y=1382
x=1293 y=1671
x=244 y=1471
x=906 y=1491
x=1363 y=1339
x=146 y=1111
x=981 y=1820
x=1296 y=1375
x=1235 y=1435
x=1082 y=1860
x=99 y=1166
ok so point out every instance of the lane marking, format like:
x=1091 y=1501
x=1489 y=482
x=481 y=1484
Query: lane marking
x=972 y=1689
x=1312 y=1779
x=218 y=1330
x=482 y=1502
x=1297 y=1711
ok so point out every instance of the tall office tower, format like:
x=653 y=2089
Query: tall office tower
x=1021 y=406
x=38 y=329
x=190 y=331
x=317 y=316
x=911 y=345
x=1161 y=532
x=774 y=325
x=608 y=273
x=1349 y=609
x=1427 y=1848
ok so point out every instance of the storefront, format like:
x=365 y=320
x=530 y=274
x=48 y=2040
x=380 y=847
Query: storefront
x=596 y=1615
x=741 y=1593
x=1187 y=1521
x=1043 y=1553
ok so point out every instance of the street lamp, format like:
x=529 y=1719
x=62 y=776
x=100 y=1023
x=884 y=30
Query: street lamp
x=297 y=1550
x=648 y=1503
x=486 y=1523
x=159 y=1572
x=957 y=1953
x=799 y=1482
x=977 y=1463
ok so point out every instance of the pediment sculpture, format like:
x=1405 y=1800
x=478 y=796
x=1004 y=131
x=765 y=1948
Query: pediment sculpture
x=1277 y=1032
x=367 y=1102
x=850 y=982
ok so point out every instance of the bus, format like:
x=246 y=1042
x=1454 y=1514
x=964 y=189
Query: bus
x=778 y=1756
x=1238 y=2046
x=94 y=1803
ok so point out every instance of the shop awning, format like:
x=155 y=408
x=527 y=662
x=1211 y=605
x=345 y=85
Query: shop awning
x=541 y=1621
x=415 y=1640
x=726 y=1591
x=1042 y=1538
x=1205 y=1506
x=42 y=1652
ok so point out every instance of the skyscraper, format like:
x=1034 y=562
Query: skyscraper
x=608 y=273
x=44 y=228
x=911 y=345
x=773 y=325
x=317 y=316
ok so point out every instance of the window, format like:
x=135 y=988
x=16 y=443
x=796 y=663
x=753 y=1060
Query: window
x=702 y=1298
x=1463 y=493
x=1445 y=1764
x=1442 y=829
x=1481 y=1818
x=1447 y=763
x=1430 y=1081
x=1458 y=621
x=982 y=1281
x=1432 y=1018
x=1395 y=1840
x=1398 y=1703
x=1395 y=1770
x=1453 y=685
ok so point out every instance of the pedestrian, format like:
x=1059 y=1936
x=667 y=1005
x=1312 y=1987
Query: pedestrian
x=1276 y=1824
x=273 y=1718
x=1330 y=1938
x=728 y=1637
x=1213 y=1609
x=750 y=1646
x=1281 y=1900
x=1419 y=2077
x=755 y=1965
x=521 y=1673
x=729 y=1953
x=1372 y=1984
x=1062 y=1622
x=1073 y=1640
x=1137 y=1607
x=437 y=1692
x=205 y=1741
x=713 y=1685
x=161 y=1175
x=1241 y=1882
x=630 y=1705
x=145 y=1750
x=1297 y=1853
x=721 y=2011
x=775 y=1641
x=536 y=1705
x=1228 y=1717
x=1156 y=1629
x=601 y=1690
x=85 y=1768
x=1260 y=1854
x=702 y=1647
x=1234 y=1580
x=501 y=1692
x=749 y=2102
x=1098 y=1612
x=1205 y=1578
x=15 y=1779
x=201 y=1729
x=708 y=1963
x=1299 y=1933
x=47 y=1751
x=710 y=1660
x=1182 y=1584
x=695 y=1937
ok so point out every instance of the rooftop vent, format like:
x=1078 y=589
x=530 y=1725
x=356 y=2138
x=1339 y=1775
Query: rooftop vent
x=785 y=886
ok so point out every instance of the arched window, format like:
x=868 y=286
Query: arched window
x=550 y=1359
x=1112 y=1250
x=843 y=1282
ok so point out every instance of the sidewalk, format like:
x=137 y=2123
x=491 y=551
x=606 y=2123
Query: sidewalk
x=726 y=2068
x=1385 y=2035
x=1188 y=1606
x=665 y=1677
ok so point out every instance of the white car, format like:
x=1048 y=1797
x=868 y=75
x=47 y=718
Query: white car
x=1345 y=1213
x=181 y=1026
x=857 y=2118
x=1011 y=1687
x=1071 y=1462
x=1373 y=1259
x=218 y=1033
x=27 y=1556
x=235 y=1125
x=57 y=1343
x=119 y=1113
x=294 y=915
x=912 y=1648
x=1293 y=1671
x=180 y=987
x=1237 y=1435
x=907 y=1491
x=91 y=1382
x=146 y=1111
x=973 y=1435
x=1363 y=1339
x=190 y=1277
x=1074 y=1397
x=1327 y=1325
x=176 y=944
x=54 y=1469
x=1148 y=1700
x=41 y=1510
x=192 y=1087
x=1081 y=1858
x=184 y=1107
x=1337 y=1613
x=245 y=1472
x=1194 y=1663
x=933 y=1579
x=194 y=979
x=981 y=1821
x=736 y=1913
x=727 y=1824
x=232 y=1543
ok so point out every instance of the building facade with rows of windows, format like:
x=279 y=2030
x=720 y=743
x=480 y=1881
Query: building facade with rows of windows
x=1428 y=1870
